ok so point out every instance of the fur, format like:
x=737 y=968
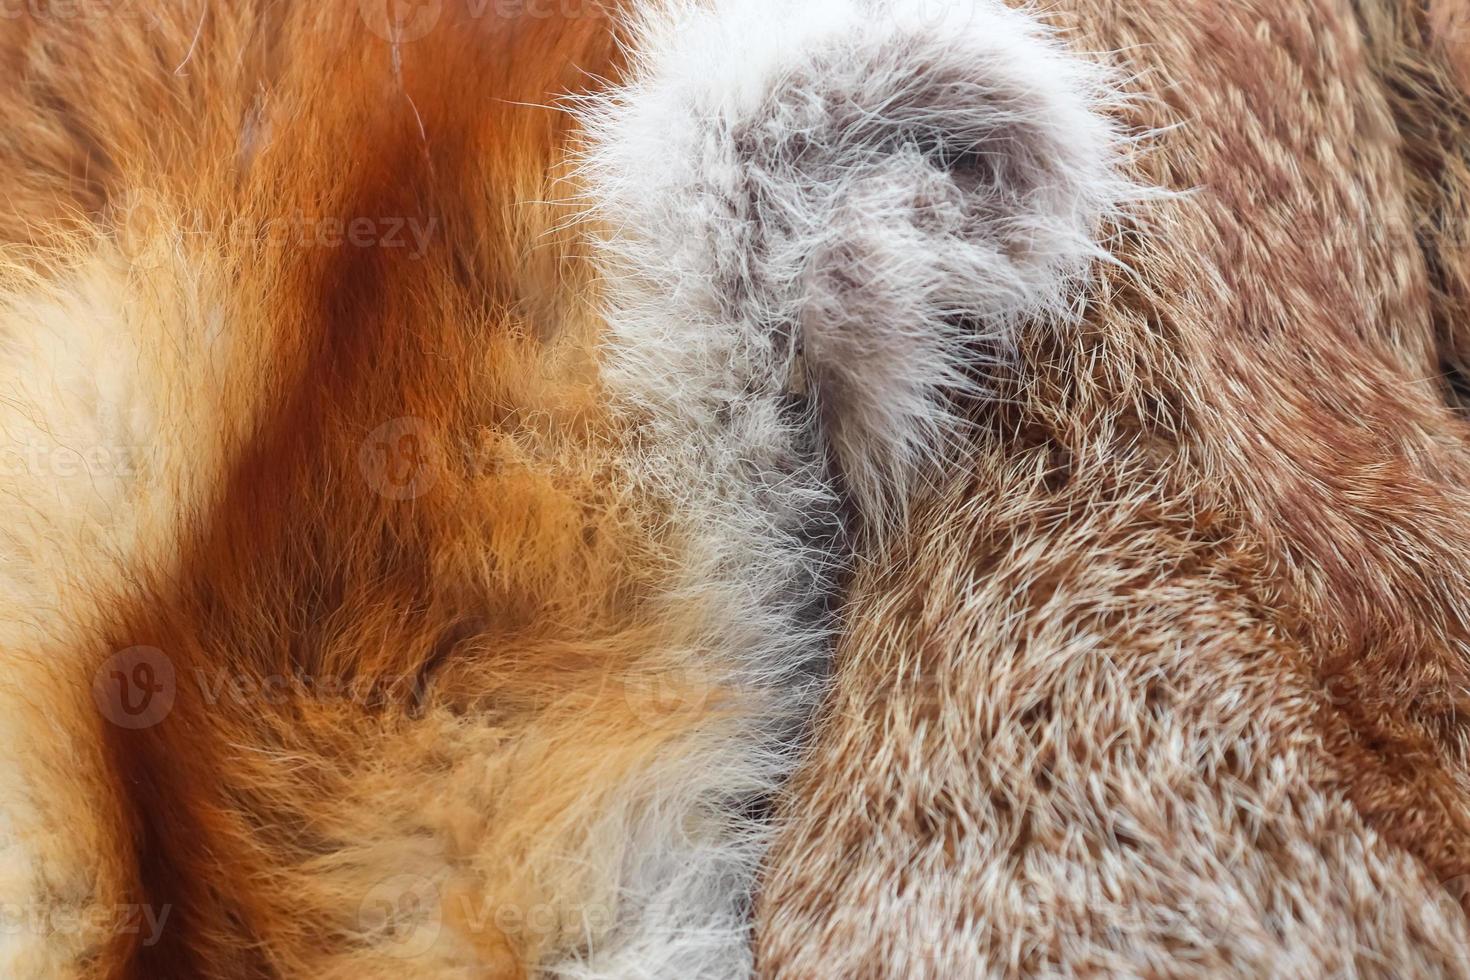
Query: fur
x=1169 y=677
x=876 y=194
x=439 y=444
x=455 y=588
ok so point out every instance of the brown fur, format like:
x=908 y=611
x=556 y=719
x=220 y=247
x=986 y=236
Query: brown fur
x=1172 y=678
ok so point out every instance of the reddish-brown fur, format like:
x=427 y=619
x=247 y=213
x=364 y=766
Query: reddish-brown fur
x=295 y=565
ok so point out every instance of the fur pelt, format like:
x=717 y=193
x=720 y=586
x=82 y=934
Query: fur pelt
x=1170 y=675
x=473 y=413
x=442 y=442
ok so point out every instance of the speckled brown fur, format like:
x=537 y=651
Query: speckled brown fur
x=1172 y=680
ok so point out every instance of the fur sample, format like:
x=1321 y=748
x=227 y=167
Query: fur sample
x=870 y=199
x=1169 y=677
x=429 y=460
x=458 y=460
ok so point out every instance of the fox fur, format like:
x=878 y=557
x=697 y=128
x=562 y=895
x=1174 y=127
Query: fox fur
x=437 y=438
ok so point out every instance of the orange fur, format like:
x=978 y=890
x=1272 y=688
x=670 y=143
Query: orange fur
x=516 y=581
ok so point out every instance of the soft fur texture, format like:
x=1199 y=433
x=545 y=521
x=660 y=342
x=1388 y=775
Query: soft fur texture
x=1170 y=678
x=439 y=441
x=866 y=201
x=444 y=586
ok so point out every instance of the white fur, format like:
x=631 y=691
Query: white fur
x=774 y=191
x=871 y=194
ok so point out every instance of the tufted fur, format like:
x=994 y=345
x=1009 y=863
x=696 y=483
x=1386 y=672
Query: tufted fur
x=444 y=583
x=878 y=192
